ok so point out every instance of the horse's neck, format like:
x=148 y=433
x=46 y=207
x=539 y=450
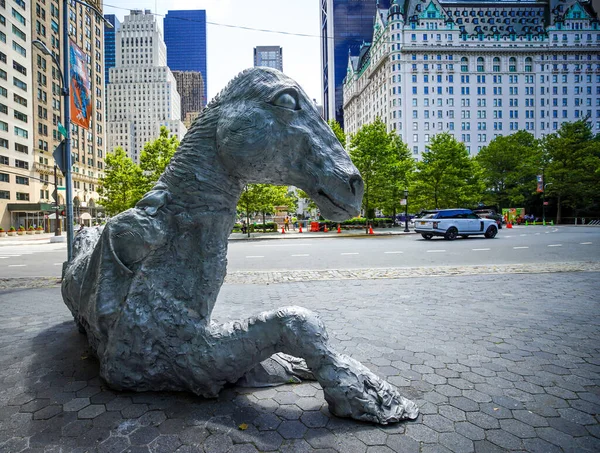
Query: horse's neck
x=200 y=189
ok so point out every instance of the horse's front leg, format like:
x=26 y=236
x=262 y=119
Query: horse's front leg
x=351 y=389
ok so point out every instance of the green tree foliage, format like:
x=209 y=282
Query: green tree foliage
x=573 y=159
x=398 y=174
x=447 y=177
x=125 y=182
x=263 y=198
x=155 y=157
x=509 y=165
x=120 y=187
x=338 y=131
x=370 y=153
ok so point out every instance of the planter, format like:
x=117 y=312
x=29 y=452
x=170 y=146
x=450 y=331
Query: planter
x=21 y=232
x=2 y=234
x=12 y=233
x=39 y=231
x=30 y=231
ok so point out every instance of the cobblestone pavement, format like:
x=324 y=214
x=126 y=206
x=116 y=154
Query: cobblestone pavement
x=496 y=362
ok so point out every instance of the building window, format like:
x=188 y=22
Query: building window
x=480 y=64
x=512 y=64
x=464 y=64
x=22 y=196
x=22 y=180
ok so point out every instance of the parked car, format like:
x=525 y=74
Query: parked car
x=451 y=223
x=490 y=214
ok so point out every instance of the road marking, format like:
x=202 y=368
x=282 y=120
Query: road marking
x=4 y=257
x=537 y=234
x=349 y=253
x=435 y=251
x=520 y=248
x=393 y=252
x=58 y=264
x=554 y=245
x=522 y=235
x=478 y=250
x=255 y=256
x=8 y=256
x=283 y=245
x=17 y=265
x=302 y=254
x=585 y=243
x=509 y=236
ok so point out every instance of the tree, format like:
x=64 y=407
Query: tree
x=573 y=158
x=398 y=174
x=263 y=198
x=370 y=152
x=155 y=157
x=120 y=188
x=510 y=165
x=447 y=176
x=338 y=131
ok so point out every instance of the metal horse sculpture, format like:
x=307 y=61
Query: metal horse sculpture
x=143 y=287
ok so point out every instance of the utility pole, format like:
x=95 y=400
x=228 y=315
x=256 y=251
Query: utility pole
x=57 y=225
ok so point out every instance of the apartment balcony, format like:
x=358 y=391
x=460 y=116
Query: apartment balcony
x=43 y=168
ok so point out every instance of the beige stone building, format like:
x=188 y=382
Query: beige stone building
x=44 y=23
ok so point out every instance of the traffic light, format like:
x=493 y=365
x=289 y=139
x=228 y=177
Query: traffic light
x=63 y=213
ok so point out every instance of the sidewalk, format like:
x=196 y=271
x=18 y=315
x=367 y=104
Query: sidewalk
x=292 y=234
x=515 y=371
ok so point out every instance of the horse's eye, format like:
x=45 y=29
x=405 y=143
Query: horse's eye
x=286 y=100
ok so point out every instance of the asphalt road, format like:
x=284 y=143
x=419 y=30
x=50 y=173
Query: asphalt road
x=518 y=245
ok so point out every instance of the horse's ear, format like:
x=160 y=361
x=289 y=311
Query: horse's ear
x=153 y=201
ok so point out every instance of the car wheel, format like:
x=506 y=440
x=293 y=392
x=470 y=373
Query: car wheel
x=491 y=232
x=427 y=236
x=451 y=234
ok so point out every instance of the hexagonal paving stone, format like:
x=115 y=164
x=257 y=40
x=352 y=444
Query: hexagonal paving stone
x=91 y=411
x=289 y=412
x=504 y=439
x=292 y=429
x=452 y=413
x=371 y=435
x=166 y=443
x=438 y=423
x=47 y=412
x=286 y=397
x=144 y=435
x=115 y=444
x=134 y=410
x=422 y=433
x=402 y=444
x=457 y=443
x=76 y=404
x=267 y=422
x=469 y=430
x=193 y=435
x=314 y=419
x=517 y=428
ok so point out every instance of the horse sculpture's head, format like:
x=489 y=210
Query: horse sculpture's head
x=269 y=131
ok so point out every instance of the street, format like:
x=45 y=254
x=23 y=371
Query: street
x=525 y=245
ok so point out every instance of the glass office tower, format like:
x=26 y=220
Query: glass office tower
x=185 y=37
x=345 y=24
x=109 y=44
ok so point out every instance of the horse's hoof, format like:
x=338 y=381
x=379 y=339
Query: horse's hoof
x=360 y=394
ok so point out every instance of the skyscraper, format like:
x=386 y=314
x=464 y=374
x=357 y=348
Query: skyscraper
x=142 y=93
x=190 y=87
x=109 y=44
x=270 y=56
x=345 y=25
x=185 y=37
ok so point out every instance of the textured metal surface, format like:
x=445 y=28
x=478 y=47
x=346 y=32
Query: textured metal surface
x=143 y=288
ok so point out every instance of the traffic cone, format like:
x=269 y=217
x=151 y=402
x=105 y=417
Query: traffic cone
x=325 y=230
x=526 y=224
x=300 y=230
x=371 y=229
x=509 y=225
x=282 y=230
x=552 y=222
x=339 y=229
x=544 y=223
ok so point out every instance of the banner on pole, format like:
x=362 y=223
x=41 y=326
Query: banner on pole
x=540 y=183
x=81 y=102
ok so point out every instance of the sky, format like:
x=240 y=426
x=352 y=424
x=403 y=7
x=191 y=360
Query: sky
x=230 y=50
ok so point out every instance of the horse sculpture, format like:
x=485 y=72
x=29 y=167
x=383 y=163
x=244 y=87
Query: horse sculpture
x=143 y=287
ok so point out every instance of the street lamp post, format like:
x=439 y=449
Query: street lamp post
x=406 y=212
x=544 y=203
x=64 y=73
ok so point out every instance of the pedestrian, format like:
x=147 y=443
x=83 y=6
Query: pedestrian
x=286 y=223
x=244 y=227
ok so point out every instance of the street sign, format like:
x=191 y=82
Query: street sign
x=62 y=188
x=62 y=130
x=59 y=157
x=55 y=196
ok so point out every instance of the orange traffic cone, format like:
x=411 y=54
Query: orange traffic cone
x=371 y=229
x=282 y=230
x=509 y=225
x=339 y=229
x=325 y=230
x=300 y=230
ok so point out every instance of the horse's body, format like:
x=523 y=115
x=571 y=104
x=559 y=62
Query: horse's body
x=143 y=287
